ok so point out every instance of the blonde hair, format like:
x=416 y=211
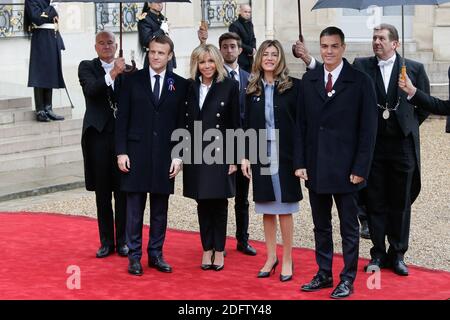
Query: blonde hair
x=215 y=55
x=281 y=72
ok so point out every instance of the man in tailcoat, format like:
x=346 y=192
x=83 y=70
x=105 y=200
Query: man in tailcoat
x=151 y=107
x=100 y=79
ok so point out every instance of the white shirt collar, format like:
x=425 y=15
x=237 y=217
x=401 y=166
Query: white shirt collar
x=335 y=73
x=153 y=73
x=390 y=61
x=107 y=65
x=229 y=69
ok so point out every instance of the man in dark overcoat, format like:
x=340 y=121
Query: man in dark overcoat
x=100 y=79
x=45 y=69
x=337 y=122
x=151 y=107
x=243 y=26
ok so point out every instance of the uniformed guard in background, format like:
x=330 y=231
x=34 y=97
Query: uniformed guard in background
x=45 y=70
x=151 y=24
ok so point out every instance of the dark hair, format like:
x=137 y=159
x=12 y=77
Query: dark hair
x=163 y=39
x=393 y=33
x=232 y=36
x=333 y=31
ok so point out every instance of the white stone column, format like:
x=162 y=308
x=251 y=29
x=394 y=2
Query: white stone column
x=270 y=32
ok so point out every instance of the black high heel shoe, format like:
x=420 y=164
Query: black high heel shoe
x=210 y=266
x=266 y=274
x=284 y=278
x=216 y=267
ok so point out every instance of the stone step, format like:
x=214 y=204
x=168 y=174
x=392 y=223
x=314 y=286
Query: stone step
x=27 y=128
x=38 y=142
x=7 y=102
x=41 y=158
x=8 y=116
x=38 y=181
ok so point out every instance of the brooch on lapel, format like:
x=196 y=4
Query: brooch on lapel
x=256 y=99
x=171 y=84
x=331 y=93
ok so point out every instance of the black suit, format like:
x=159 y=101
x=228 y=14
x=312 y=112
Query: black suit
x=149 y=26
x=241 y=203
x=210 y=184
x=97 y=141
x=244 y=28
x=336 y=138
x=431 y=104
x=143 y=132
x=394 y=181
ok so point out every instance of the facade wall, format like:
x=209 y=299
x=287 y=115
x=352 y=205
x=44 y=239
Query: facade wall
x=272 y=19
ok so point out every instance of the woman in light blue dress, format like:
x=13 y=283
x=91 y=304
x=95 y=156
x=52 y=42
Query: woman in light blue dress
x=271 y=107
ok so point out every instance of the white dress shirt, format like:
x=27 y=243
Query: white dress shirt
x=203 y=92
x=386 y=67
x=161 y=79
x=335 y=73
x=108 y=67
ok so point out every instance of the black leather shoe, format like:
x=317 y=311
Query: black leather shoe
x=135 y=268
x=400 y=267
x=53 y=116
x=123 y=250
x=343 y=290
x=206 y=266
x=375 y=264
x=41 y=116
x=246 y=248
x=266 y=274
x=104 y=251
x=318 y=282
x=365 y=234
x=159 y=264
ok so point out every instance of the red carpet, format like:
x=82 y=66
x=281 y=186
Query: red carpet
x=38 y=249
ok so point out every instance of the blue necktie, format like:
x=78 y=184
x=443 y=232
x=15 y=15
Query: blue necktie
x=156 y=88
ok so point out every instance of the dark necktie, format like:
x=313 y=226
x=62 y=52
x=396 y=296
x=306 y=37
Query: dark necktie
x=156 y=88
x=233 y=75
x=329 y=85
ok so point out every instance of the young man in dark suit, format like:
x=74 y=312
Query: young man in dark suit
x=243 y=26
x=337 y=122
x=100 y=79
x=150 y=109
x=425 y=101
x=394 y=181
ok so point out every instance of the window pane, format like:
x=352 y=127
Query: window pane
x=397 y=11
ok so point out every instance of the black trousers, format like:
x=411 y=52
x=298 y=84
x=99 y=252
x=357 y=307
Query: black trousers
x=321 y=205
x=212 y=218
x=241 y=207
x=159 y=204
x=447 y=125
x=389 y=196
x=102 y=157
x=362 y=205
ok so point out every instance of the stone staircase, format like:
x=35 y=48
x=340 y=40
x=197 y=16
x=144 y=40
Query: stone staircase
x=436 y=70
x=26 y=143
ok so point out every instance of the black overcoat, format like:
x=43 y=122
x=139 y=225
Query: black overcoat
x=144 y=130
x=337 y=134
x=220 y=111
x=45 y=68
x=285 y=113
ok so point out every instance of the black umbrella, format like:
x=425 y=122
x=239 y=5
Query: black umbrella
x=363 y=4
x=121 y=14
